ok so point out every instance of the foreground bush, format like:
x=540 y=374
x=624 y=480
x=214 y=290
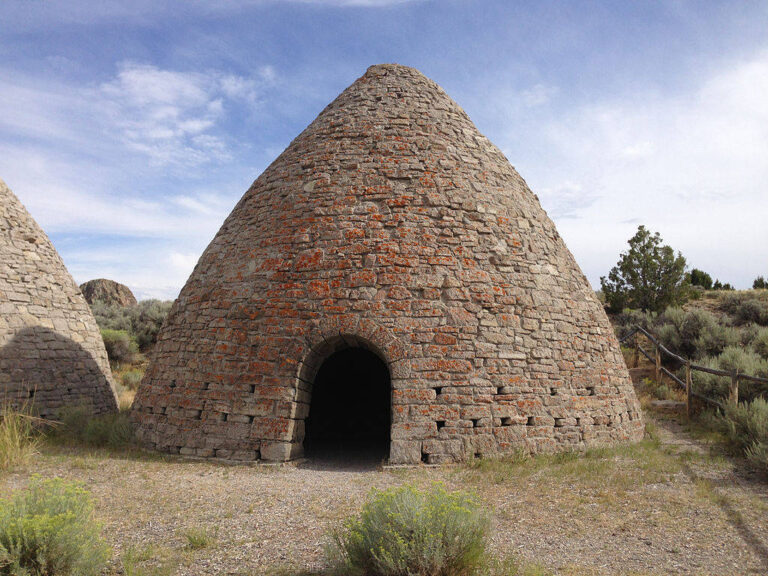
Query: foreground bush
x=405 y=531
x=747 y=428
x=18 y=437
x=48 y=530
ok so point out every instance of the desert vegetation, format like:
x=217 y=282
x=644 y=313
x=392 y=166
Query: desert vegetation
x=409 y=531
x=129 y=332
x=729 y=334
x=141 y=322
x=704 y=321
x=48 y=528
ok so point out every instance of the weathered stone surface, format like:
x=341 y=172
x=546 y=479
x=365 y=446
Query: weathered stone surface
x=51 y=352
x=390 y=223
x=108 y=291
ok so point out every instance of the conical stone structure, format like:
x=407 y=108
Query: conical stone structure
x=51 y=352
x=393 y=226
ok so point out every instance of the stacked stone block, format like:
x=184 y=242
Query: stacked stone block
x=389 y=223
x=51 y=352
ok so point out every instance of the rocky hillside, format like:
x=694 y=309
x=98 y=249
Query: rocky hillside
x=108 y=291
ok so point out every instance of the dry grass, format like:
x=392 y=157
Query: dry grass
x=19 y=439
x=665 y=505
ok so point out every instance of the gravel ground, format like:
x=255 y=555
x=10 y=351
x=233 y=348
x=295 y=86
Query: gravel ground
x=674 y=510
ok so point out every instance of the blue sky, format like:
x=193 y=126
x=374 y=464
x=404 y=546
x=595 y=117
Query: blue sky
x=131 y=129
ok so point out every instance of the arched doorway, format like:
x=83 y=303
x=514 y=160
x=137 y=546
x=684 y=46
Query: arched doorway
x=350 y=412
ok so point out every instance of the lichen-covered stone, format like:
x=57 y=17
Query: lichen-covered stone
x=51 y=352
x=389 y=223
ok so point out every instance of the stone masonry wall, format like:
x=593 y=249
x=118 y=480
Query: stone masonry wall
x=390 y=223
x=51 y=352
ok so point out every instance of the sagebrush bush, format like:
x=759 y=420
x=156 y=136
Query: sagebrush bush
x=732 y=359
x=624 y=322
x=669 y=336
x=693 y=333
x=746 y=308
x=97 y=431
x=121 y=347
x=709 y=385
x=18 y=436
x=147 y=319
x=746 y=425
x=131 y=378
x=406 y=531
x=142 y=322
x=714 y=340
x=48 y=530
x=760 y=343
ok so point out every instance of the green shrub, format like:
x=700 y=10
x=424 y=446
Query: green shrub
x=746 y=308
x=669 y=336
x=663 y=392
x=760 y=342
x=102 y=431
x=733 y=359
x=709 y=385
x=142 y=322
x=111 y=316
x=746 y=425
x=715 y=339
x=199 y=538
x=131 y=378
x=405 y=531
x=18 y=437
x=694 y=333
x=48 y=530
x=628 y=319
x=121 y=348
x=146 y=320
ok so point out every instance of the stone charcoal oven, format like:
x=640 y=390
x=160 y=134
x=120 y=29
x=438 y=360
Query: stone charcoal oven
x=52 y=356
x=389 y=284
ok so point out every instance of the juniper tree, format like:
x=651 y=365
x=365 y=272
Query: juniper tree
x=648 y=276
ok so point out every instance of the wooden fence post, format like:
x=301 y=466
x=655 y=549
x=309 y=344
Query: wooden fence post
x=733 y=392
x=688 y=386
x=636 y=354
x=658 y=366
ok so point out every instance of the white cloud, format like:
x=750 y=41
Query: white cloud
x=170 y=116
x=692 y=166
x=112 y=171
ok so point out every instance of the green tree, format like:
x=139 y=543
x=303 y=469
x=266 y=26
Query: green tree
x=701 y=278
x=759 y=283
x=648 y=276
x=720 y=286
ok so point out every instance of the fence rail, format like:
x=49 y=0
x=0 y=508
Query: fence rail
x=659 y=349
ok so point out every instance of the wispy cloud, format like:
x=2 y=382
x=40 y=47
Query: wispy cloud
x=73 y=155
x=170 y=116
x=691 y=165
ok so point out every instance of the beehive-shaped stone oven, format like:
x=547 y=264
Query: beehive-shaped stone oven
x=51 y=352
x=389 y=283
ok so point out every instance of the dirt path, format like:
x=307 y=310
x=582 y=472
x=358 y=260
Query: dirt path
x=649 y=509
